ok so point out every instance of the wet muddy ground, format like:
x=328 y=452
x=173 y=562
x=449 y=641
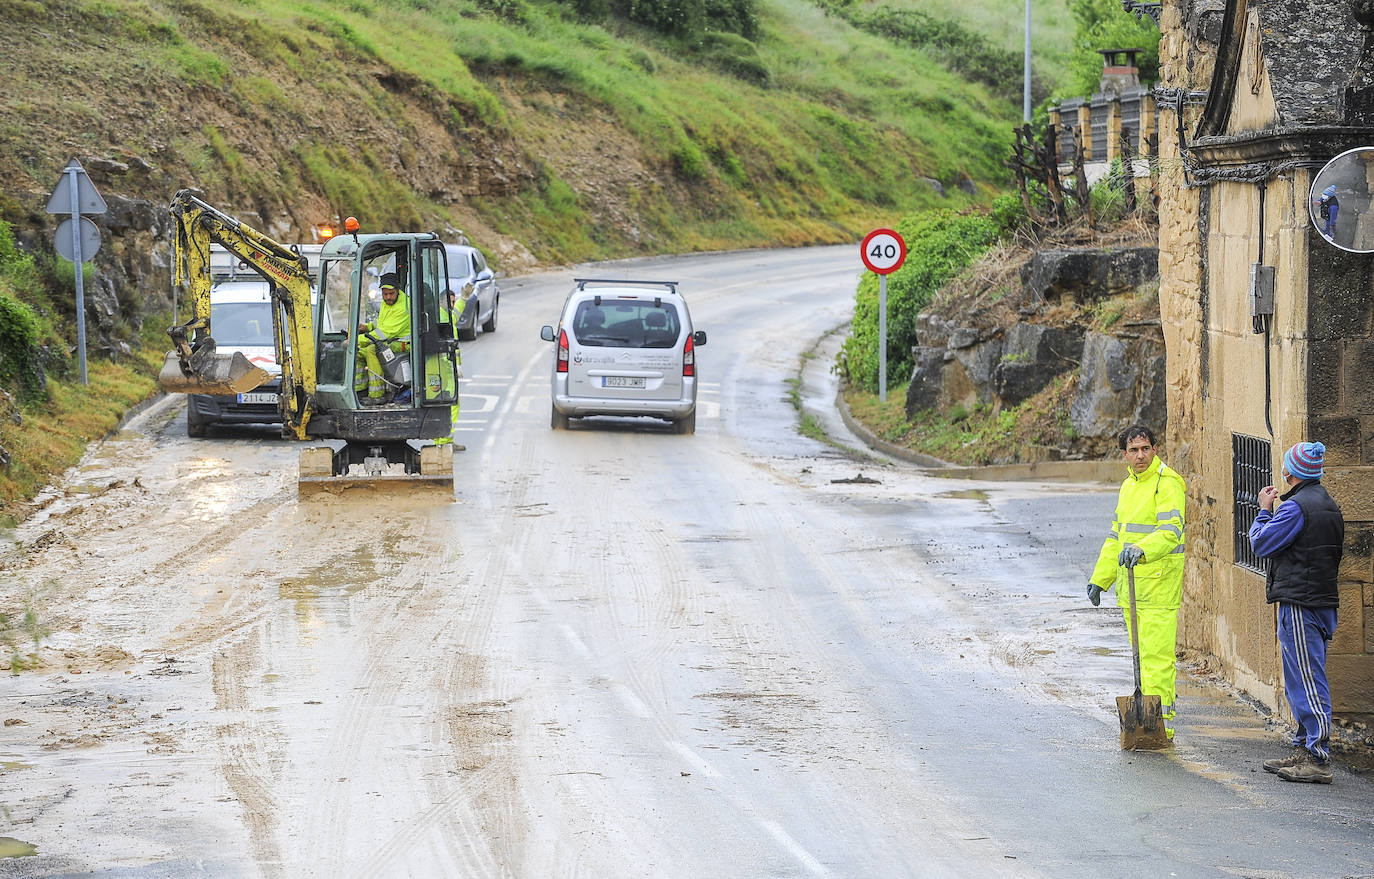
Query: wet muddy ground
x=612 y=652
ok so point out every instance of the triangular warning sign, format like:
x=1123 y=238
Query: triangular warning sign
x=88 y=201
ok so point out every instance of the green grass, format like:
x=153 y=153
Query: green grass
x=812 y=133
x=971 y=435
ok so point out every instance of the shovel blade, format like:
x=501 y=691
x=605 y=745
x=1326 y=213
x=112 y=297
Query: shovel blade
x=1142 y=723
x=217 y=374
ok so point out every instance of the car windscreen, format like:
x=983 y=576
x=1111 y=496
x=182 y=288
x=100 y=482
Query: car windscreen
x=242 y=324
x=626 y=323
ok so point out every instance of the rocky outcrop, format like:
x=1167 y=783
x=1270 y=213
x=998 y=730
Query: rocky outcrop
x=1085 y=275
x=1120 y=382
x=1003 y=356
x=1032 y=355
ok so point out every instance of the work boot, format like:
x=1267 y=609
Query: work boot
x=1309 y=769
x=1298 y=755
x=373 y=402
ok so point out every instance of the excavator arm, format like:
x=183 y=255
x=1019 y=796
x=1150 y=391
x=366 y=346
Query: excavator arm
x=194 y=367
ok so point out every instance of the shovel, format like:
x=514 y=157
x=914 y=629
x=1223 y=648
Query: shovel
x=1142 y=717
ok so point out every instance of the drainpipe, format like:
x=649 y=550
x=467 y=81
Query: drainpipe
x=1263 y=320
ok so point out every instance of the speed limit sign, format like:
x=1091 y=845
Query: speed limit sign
x=883 y=251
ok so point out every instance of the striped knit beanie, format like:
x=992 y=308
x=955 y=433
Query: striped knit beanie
x=1304 y=460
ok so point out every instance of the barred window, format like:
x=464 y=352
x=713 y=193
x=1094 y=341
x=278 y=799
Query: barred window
x=1250 y=471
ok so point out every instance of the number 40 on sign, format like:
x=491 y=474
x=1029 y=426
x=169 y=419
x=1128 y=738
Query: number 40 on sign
x=883 y=253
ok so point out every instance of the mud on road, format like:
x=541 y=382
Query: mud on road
x=180 y=583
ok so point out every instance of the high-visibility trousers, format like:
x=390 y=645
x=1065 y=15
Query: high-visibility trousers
x=1158 y=673
x=372 y=363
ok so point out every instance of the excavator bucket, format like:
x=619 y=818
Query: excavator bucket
x=210 y=373
x=423 y=465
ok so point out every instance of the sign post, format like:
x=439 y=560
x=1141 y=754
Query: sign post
x=883 y=252
x=77 y=237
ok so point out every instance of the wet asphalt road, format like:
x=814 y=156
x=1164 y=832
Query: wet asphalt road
x=620 y=652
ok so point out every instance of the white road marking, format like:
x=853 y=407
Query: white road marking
x=486 y=402
x=632 y=702
x=575 y=640
x=507 y=402
x=794 y=848
x=694 y=759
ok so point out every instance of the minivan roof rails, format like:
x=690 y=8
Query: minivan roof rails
x=583 y=282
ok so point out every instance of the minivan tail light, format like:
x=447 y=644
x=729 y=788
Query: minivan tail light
x=689 y=358
x=562 y=350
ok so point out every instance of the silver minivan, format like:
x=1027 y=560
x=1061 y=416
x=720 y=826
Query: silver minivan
x=625 y=348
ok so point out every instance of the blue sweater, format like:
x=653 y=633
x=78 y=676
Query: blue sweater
x=1273 y=532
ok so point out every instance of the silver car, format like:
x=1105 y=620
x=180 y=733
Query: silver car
x=625 y=348
x=466 y=265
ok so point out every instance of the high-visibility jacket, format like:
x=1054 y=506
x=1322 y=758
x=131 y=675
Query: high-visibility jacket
x=1149 y=514
x=393 y=321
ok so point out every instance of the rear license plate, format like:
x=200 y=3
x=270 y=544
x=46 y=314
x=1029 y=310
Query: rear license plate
x=259 y=397
x=622 y=381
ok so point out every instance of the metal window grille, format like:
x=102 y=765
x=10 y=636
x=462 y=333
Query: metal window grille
x=1250 y=471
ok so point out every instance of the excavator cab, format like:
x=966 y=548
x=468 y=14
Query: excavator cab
x=402 y=352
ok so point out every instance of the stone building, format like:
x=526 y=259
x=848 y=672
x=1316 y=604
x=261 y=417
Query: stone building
x=1255 y=98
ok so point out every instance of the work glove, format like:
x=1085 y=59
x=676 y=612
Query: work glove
x=1130 y=557
x=1095 y=594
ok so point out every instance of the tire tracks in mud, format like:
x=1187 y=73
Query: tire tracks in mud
x=368 y=745
x=469 y=808
x=248 y=759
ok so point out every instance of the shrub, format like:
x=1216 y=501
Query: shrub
x=1098 y=24
x=735 y=16
x=940 y=244
x=19 y=366
x=678 y=18
x=1009 y=215
x=688 y=160
x=733 y=54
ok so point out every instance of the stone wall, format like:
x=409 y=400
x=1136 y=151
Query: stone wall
x=1319 y=351
x=1003 y=357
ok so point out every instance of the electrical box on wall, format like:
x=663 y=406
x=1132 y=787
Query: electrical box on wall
x=1261 y=290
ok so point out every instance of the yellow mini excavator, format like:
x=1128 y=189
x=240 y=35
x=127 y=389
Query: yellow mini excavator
x=317 y=333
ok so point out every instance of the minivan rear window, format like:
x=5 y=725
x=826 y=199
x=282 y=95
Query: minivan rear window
x=626 y=323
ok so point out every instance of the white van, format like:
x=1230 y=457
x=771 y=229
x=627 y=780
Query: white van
x=625 y=348
x=240 y=320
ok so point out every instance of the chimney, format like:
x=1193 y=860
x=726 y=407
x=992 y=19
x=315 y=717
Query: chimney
x=1119 y=73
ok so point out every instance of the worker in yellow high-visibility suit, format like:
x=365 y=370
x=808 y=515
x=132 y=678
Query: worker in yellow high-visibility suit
x=440 y=381
x=1147 y=537
x=393 y=322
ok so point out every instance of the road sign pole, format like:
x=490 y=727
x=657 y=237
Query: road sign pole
x=77 y=261
x=883 y=251
x=882 y=338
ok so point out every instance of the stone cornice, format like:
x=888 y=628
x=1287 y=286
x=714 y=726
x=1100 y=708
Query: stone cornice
x=1297 y=145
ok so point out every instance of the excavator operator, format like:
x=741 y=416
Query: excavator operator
x=392 y=328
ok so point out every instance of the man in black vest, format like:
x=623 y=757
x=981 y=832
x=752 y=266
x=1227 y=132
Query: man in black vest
x=1303 y=540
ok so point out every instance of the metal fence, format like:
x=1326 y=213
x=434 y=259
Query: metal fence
x=1251 y=470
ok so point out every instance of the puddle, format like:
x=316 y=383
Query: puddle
x=13 y=848
x=967 y=494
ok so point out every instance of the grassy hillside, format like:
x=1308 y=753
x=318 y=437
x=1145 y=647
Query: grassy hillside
x=575 y=138
x=549 y=130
